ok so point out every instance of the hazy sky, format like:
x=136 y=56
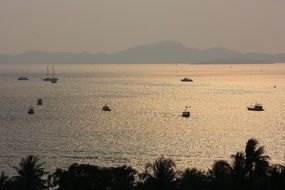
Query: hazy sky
x=113 y=25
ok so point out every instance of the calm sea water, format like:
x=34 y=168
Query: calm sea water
x=145 y=121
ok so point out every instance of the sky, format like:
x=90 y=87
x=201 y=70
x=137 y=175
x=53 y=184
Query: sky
x=112 y=25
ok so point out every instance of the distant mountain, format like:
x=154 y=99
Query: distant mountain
x=161 y=52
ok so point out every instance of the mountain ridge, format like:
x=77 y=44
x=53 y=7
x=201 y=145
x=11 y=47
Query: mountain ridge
x=156 y=53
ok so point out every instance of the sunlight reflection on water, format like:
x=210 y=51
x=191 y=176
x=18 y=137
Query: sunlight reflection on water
x=145 y=121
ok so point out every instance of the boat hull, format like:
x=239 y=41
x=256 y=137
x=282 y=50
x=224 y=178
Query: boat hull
x=22 y=78
x=31 y=112
x=186 y=114
x=254 y=109
x=186 y=80
x=52 y=80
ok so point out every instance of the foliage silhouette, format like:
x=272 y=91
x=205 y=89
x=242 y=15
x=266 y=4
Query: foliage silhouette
x=30 y=175
x=195 y=180
x=277 y=177
x=249 y=170
x=90 y=177
x=256 y=162
x=160 y=175
x=3 y=181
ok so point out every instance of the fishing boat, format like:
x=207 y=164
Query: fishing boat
x=256 y=107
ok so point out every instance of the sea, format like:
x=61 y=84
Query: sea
x=145 y=122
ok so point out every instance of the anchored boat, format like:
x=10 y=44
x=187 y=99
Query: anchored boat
x=106 y=108
x=256 y=107
x=186 y=80
x=51 y=78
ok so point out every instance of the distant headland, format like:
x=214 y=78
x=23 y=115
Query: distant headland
x=165 y=52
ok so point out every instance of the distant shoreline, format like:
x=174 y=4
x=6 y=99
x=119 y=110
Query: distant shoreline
x=165 y=52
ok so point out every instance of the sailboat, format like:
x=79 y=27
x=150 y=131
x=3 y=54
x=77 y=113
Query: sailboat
x=51 y=78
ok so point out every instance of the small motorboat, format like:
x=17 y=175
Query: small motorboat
x=31 y=110
x=106 y=108
x=256 y=107
x=186 y=80
x=186 y=114
x=23 y=78
x=40 y=102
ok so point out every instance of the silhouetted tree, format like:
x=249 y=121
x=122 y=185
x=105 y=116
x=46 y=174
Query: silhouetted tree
x=160 y=175
x=256 y=165
x=90 y=177
x=77 y=177
x=249 y=170
x=3 y=181
x=223 y=175
x=238 y=165
x=123 y=178
x=195 y=180
x=256 y=162
x=277 y=177
x=30 y=175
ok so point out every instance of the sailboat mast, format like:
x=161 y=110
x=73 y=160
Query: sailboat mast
x=47 y=72
x=52 y=70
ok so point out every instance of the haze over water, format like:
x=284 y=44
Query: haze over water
x=145 y=121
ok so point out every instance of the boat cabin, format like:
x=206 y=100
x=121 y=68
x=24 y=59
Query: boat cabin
x=256 y=107
x=186 y=80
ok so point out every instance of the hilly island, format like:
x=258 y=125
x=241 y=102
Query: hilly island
x=164 y=52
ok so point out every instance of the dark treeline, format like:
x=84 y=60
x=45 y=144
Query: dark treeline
x=248 y=170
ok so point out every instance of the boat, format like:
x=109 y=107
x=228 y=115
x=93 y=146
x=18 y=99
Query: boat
x=186 y=112
x=31 y=110
x=256 y=107
x=40 y=102
x=48 y=77
x=106 y=108
x=51 y=78
x=23 y=78
x=186 y=80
